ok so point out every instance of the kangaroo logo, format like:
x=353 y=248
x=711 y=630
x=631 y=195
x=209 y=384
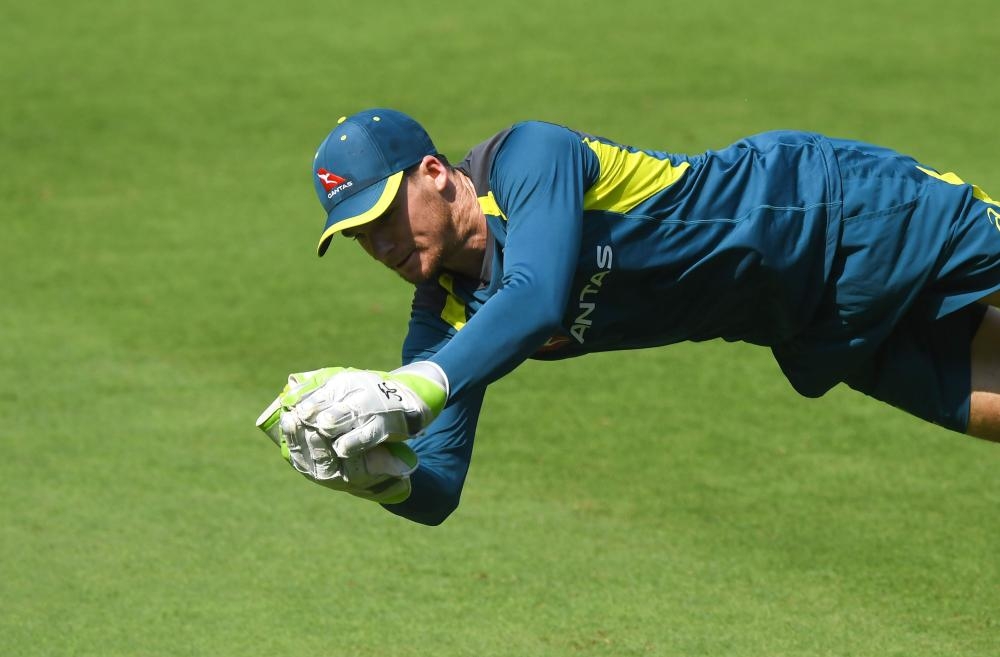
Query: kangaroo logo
x=330 y=180
x=554 y=343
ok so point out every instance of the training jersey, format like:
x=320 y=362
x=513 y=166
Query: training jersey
x=597 y=246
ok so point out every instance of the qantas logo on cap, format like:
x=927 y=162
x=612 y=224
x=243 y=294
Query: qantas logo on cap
x=332 y=183
x=330 y=180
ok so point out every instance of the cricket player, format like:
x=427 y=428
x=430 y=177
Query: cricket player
x=851 y=262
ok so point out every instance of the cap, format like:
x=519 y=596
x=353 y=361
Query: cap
x=358 y=167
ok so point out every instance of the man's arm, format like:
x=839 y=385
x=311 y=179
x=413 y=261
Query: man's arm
x=445 y=451
x=539 y=179
x=445 y=447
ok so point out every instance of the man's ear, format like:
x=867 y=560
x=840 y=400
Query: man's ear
x=435 y=170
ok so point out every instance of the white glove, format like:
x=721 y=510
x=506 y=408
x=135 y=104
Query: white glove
x=379 y=406
x=326 y=420
x=380 y=474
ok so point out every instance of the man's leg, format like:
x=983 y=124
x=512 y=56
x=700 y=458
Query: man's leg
x=925 y=367
x=984 y=405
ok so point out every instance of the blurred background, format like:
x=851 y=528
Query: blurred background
x=159 y=281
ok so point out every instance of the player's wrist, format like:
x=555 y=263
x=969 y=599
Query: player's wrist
x=427 y=381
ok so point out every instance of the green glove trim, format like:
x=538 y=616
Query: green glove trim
x=300 y=385
x=430 y=392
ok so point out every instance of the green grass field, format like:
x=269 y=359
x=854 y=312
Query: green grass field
x=159 y=282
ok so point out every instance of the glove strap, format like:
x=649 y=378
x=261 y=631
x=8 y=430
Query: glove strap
x=428 y=381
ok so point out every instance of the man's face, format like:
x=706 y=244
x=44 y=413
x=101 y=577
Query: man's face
x=414 y=236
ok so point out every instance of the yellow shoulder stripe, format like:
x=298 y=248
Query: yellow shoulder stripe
x=454 y=309
x=950 y=177
x=627 y=179
x=488 y=204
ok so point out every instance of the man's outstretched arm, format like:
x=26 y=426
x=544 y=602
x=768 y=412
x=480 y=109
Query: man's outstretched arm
x=445 y=451
x=539 y=178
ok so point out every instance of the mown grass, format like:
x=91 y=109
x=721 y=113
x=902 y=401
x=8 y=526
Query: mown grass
x=159 y=283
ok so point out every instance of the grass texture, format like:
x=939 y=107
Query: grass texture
x=159 y=282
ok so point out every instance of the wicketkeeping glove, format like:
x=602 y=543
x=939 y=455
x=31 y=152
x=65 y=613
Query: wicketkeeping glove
x=327 y=419
x=380 y=474
x=379 y=406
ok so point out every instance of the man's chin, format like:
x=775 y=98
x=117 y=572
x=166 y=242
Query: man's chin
x=415 y=277
x=421 y=273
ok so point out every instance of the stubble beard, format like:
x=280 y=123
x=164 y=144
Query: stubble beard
x=426 y=273
x=433 y=258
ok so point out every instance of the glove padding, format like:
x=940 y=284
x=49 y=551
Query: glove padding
x=381 y=406
x=331 y=422
x=380 y=474
x=351 y=411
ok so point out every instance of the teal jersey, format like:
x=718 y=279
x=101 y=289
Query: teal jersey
x=852 y=262
x=599 y=246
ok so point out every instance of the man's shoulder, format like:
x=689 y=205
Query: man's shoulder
x=479 y=161
x=531 y=135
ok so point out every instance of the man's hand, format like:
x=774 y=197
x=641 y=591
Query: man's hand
x=331 y=425
x=382 y=406
x=380 y=474
x=349 y=411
